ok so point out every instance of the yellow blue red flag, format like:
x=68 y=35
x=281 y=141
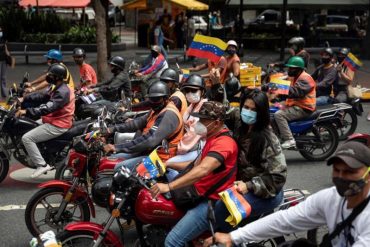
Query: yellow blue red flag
x=207 y=47
x=152 y=166
x=237 y=206
x=279 y=86
x=352 y=62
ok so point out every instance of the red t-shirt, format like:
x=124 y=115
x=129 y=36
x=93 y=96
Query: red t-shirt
x=225 y=150
x=87 y=73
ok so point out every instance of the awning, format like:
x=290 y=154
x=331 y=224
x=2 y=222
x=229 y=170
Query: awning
x=300 y=2
x=136 y=4
x=191 y=4
x=55 y=3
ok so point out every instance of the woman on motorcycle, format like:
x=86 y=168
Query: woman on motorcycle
x=262 y=169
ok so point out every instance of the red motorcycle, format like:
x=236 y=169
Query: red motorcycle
x=130 y=199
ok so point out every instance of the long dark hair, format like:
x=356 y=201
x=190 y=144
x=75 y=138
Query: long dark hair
x=257 y=134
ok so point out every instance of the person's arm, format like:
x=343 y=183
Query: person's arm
x=328 y=79
x=42 y=78
x=176 y=100
x=103 y=83
x=158 y=64
x=236 y=69
x=141 y=106
x=37 y=98
x=130 y=126
x=164 y=127
x=346 y=76
x=198 y=67
x=178 y=166
x=300 y=89
x=315 y=74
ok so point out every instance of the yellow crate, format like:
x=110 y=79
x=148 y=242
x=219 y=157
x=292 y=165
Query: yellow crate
x=250 y=76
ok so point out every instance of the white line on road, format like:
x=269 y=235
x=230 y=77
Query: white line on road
x=22 y=207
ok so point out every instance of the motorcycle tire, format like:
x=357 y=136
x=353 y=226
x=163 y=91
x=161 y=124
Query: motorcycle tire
x=334 y=139
x=79 y=238
x=40 y=198
x=4 y=167
x=316 y=235
x=349 y=126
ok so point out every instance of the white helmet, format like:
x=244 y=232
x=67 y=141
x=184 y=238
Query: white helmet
x=232 y=42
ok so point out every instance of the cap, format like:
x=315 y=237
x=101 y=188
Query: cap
x=211 y=110
x=353 y=153
x=156 y=48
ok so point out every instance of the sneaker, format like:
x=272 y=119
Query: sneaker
x=288 y=144
x=40 y=170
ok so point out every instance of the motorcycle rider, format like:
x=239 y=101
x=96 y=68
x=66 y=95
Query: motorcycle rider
x=163 y=122
x=156 y=66
x=350 y=175
x=300 y=102
x=87 y=73
x=345 y=77
x=232 y=61
x=56 y=108
x=325 y=75
x=220 y=65
x=217 y=164
x=52 y=56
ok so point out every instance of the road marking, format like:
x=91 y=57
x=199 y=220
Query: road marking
x=22 y=207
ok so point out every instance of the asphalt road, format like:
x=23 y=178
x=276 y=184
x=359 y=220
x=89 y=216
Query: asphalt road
x=16 y=190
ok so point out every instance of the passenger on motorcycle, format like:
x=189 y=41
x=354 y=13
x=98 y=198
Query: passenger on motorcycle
x=329 y=207
x=56 y=108
x=345 y=77
x=156 y=66
x=163 y=122
x=325 y=76
x=301 y=100
x=232 y=61
x=217 y=163
x=87 y=73
x=52 y=56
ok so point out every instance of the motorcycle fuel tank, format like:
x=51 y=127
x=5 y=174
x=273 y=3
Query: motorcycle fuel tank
x=108 y=163
x=158 y=211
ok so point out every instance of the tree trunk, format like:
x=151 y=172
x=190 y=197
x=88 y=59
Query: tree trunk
x=101 y=12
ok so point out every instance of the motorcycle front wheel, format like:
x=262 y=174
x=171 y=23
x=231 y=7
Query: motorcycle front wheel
x=79 y=238
x=349 y=122
x=43 y=206
x=4 y=167
x=319 y=143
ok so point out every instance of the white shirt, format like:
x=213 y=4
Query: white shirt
x=322 y=208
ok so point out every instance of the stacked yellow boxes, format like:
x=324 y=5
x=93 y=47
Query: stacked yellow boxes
x=250 y=75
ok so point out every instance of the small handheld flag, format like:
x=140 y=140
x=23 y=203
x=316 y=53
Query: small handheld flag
x=279 y=86
x=185 y=74
x=237 y=206
x=352 y=62
x=152 y=166
x=207 y=47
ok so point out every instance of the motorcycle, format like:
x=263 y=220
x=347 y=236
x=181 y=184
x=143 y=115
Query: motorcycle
x=12 y=129
x=131 y=200
x=349 y=118
x=316 y=136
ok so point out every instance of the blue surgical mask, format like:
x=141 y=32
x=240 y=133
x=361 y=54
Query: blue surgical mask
x=248 y=116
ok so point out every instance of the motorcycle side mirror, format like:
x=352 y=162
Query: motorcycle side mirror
x=165 y=146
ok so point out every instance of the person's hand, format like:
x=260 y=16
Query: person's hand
x=122 y=108
x=29 y=90
x=20 y=100
x=139 y=74
x=241 y=187
x=221 y=238
x=159 y=188
x=20 y=113
x=215 y=76
x=109 y=148
x=27 y=84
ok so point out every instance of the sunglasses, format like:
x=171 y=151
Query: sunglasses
x=190 y=90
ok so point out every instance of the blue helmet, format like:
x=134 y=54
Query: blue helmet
x=54 y=54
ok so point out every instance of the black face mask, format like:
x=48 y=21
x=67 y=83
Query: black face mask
x=340 y=59
x=325 y=60
x=154 y=54
x=230 y=52
x=51 y=80
x=157 y=106
x=79 y=61
x=293 y=73
x=115 y=70
x=348 y=187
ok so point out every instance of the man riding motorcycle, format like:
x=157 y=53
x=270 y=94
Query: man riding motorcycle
x=156 y=66
x=87 y=73
x=325 y=75
x=301 y=100
x=52 y=56
x=163 y=122
x=56 y=108
x=345 y=77
x=232 y=61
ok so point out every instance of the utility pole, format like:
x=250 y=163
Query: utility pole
x=283 y=29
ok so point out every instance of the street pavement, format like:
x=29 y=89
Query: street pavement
x=16 y=190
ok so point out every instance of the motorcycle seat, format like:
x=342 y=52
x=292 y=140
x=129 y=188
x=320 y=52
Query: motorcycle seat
x=77 y=129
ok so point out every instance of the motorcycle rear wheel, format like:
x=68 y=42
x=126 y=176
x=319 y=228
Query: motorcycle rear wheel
x=349 y=120
x=47 y=200
x=4 y=167
x=79 y=238
x=328 y=134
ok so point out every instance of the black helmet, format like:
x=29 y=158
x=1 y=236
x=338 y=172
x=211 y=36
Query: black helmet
x=232 y=87
x=298 y=41
x=344 y=51
x=329 y=51
x=194 y=81
x=78 y=52
x=170 y=75
x=158 y=89
x=101 y=189
x=58 y=71
x=118 y=62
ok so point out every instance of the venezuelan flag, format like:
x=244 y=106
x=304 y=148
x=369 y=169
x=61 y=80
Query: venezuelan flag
x=207 y=47
x=352 y=62
x=237 y=206
x=185 y=74
x=152 y=166
x=279 y=86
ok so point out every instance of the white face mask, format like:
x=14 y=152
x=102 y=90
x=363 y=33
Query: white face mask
x=193 y=97
x=200 y=129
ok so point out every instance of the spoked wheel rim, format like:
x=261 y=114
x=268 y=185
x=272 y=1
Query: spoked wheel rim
x=349 y=122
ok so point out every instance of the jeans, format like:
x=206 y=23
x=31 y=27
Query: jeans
x=3 y=78
x=193 y=224
x=322 y=100
x=259 y=206
x=130 y=163
x=41 y=133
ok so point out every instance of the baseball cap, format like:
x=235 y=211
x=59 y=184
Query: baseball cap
x=211 y=110
x=353 y=153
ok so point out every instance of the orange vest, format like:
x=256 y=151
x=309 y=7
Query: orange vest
x=184 y=103
x=174 y=138
x=308 y=102
x=229 y=67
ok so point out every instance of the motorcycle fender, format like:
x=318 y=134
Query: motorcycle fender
x=65 y=185
x=110 y=237
x=5 y=152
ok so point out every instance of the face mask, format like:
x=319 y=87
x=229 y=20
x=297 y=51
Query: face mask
x=79 y=61
x=340 y=59
x=157 y=106
x=349 y=187
x=193 y=97
x=294 y=48
x=201 y=129
x=325 y=60
x=293 y=73
x=248 y=116
x=154 y=54
x=115 y=70
x=51 y=80
x=230 y=52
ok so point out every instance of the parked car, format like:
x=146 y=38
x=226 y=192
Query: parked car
x=332 y=23
x=268 y=20
x=200 y=26
x=115 y=15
